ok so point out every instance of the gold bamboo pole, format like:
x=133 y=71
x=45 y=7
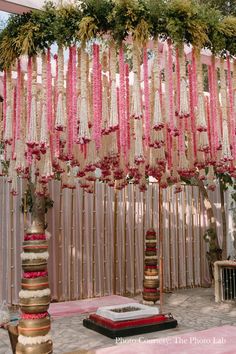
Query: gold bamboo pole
x=161 y=247
x=170 y=238
x=12 y=247
x=59 y=263
x=104 y=240
x=115 y=242
x=83 y=239
x=144 y=226
x=134 y=246
x=94 y=231
x=71 y=285
x=152 y=206
x=177 y=233
x=200 y=240
x=125 y=241
x=193 y=243
x=25 y=210
x=185 y=235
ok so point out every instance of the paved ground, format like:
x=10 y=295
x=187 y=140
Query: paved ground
x=194 y=310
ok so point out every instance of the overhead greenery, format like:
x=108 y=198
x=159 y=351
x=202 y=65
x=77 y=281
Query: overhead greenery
x=191 y=21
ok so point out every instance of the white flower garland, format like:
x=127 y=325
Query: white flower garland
x=31 y=256
x=151 y=277
x=34 y=340
x=27 y=294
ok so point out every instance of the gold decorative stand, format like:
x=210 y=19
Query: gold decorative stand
x=151 y=292
x=34 y=325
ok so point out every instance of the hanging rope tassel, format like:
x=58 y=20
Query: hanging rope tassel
x=158 y=122
x=138 y=154
x=226 y=152
x=184 y=101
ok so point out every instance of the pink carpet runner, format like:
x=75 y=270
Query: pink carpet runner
x=219 y=340
x=70 y=308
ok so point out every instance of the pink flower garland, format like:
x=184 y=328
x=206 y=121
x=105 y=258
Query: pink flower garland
x=118 y=130
x=122 y=113
x=49 y=91
x=146 y=97
x=100 y=94
x=33 y=275
x=29 y=100
x=74 y=96
x=33 y=237
x=177 y=83
x=209 y=130
x=5 y=99
x=212 y=113
x=127 y=103
x=96 y=97
x=192 y=113
x=231 y=109
x=14 y=123
x=18 y=100
x=29 y=90
x=173 y=129
x=70 y=105
x=194 y=79
x=33 y=316
x=57 y=133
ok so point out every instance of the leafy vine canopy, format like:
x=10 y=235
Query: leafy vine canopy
x=189 y=21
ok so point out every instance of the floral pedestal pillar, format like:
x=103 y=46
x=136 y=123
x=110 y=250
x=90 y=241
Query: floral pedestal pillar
x=34 y=325
x=151 y=291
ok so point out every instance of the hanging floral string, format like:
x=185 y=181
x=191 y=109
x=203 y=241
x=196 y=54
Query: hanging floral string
x=84 y=133
x=96 y=97
x=32 y=138
x=50 y=129
x=18 y=99
x=231 y=109
x=113 y=124
x=60 y=121
x=170 y=87
x=127 y=96
x=146 y=96
x=226 y=152
x=122 y=112
x=44 y=129
x=183 y=101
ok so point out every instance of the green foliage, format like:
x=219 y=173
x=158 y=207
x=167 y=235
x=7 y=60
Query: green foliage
x=185 y=22
x=191 y=21
x=157 y=17
x=27 y=202
x=9 y=47
x=126 y=17
x=66 y=25
x=227 y=7
x=99 y=11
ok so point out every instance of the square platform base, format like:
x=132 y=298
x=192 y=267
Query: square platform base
x=129 y=331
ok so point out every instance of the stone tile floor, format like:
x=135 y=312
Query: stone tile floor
x=194 y=310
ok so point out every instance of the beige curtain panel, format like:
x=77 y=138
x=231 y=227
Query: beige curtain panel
x=97 y=241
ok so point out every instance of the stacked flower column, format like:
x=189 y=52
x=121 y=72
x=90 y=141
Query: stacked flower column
x=34 y=325
x=151 y=292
